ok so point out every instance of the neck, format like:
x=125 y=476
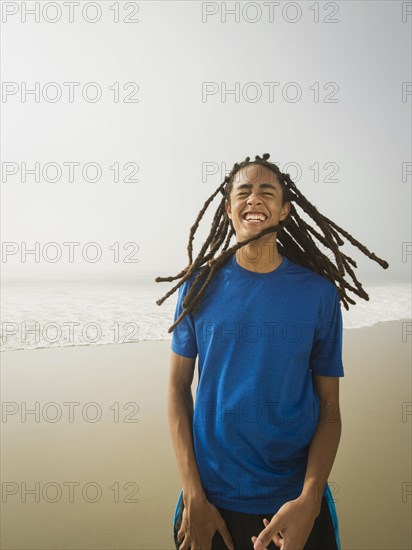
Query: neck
x=260 y=257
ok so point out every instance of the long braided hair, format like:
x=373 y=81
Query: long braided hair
x=294 y=240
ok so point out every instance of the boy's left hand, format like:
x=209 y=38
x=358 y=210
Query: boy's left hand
x=290 y=527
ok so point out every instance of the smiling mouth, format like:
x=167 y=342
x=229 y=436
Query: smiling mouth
x=254 y=217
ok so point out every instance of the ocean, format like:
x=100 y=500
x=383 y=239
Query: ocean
x=56 y=313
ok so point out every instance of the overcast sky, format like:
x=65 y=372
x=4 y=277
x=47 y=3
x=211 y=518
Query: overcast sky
x=321 y=91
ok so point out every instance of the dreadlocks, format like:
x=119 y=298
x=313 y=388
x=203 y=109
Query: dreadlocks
x=294 y=239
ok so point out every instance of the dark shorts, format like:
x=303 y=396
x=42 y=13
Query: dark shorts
x=324 y=534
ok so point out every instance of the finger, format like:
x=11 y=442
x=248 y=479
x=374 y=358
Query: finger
x=276 y=538
x=286 y=545
x=185 y=544
x=254 y=539
x=278 y=541
x=257 y=544
x=180 y=534
x=268 y=534
x=227 y=539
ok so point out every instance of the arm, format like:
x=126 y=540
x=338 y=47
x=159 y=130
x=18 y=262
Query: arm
x=200 y=518
x=295 y=519
x=325 y=442
x=180 y=415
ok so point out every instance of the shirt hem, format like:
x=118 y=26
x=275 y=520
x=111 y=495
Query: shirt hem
x=268 y=507
x=181 y=351
x=261 y=506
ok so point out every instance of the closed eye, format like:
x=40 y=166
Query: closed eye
x=264 y=193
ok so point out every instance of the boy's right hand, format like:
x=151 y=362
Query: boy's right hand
x=200 y=521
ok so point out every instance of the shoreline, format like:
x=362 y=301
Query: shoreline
x=75 y=345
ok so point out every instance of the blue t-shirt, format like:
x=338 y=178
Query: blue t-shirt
x=258 y=338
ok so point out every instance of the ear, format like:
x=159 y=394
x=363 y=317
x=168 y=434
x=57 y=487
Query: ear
x=285 y=211
x=228 y=209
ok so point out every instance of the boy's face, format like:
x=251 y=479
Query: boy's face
x=255 y=201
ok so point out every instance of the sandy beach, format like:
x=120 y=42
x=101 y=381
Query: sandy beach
x=87 y=461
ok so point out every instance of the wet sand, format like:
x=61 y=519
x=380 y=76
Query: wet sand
x=93 y=467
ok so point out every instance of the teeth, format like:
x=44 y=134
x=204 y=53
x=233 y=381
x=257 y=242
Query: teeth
x=255 y=217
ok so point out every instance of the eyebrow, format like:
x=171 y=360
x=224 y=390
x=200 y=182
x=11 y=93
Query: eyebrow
x=261 y=186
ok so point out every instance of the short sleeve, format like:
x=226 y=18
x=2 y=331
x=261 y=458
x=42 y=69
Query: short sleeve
x=184 y=335
x=326 y=356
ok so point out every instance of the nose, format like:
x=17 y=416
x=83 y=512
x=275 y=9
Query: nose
x=253 y=199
